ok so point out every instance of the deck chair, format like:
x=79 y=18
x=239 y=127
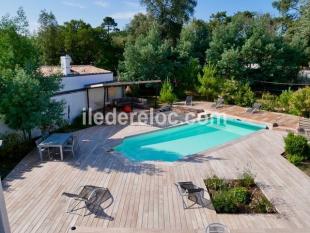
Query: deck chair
x=165 y=108
x=256 y=108
x=189 y=101
x=219 y=103
x=217 y=228
x=304 y=127
x=91 y=196
x=193 y=193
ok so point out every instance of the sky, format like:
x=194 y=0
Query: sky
x=93 y=11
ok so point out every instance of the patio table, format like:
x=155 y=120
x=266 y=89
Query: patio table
x=57 y=140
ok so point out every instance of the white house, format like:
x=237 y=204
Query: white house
x=75 y=80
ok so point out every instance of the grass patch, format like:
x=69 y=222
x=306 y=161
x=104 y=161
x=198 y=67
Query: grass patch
x=241 y=196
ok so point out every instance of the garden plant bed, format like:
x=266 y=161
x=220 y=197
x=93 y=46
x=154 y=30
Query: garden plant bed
x=240 y=196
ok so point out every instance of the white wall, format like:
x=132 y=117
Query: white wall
x=77 y=101
x=78 y=82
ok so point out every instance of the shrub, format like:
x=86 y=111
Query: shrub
x=235 y=92
x=284 y=100
x=300 y=102
x=268 y=101
x=224 y=202
x=241 y=195
x=166 y=93
x=296 y=145
x=216 y=183
x=210 y=84
x=247 y=179
x=262 y=205
x=295 y=159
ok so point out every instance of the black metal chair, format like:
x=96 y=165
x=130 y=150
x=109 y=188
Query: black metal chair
x=193 y=193
x=91 y=196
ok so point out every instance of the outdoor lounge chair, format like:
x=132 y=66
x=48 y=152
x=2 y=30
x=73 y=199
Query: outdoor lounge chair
x=256 y=108
x=219 y=103
x=189 y=101
x=304 y=127
x=91 y=196
x=193 y=193
x=217 y=228
x=165 y=108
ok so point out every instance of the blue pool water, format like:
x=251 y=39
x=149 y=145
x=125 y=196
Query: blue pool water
x=178 y=142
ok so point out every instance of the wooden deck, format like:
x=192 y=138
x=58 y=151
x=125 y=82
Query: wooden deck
x=285 y=122
x=145 y=197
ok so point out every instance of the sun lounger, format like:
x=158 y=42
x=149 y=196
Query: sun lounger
x=219 y=103
x=189 y=101
x=165 y=108
x=256 y=108
x=89 y=195
x=193 y=193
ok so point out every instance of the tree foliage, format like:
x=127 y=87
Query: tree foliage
x=25 y=100
x=209 y=83
x=249 y=48
x=166 y=93
x=170 y=15
x=147 y=58
x=109 y=24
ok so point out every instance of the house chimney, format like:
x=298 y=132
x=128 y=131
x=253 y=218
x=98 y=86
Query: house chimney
x=65 y=62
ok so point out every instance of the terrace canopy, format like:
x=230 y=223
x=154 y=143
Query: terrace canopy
x=122 y=85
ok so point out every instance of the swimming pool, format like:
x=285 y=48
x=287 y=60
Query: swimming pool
x=175 y=143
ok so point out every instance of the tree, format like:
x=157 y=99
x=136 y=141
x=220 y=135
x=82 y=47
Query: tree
x=194 y=40
x=250 y=48
x=109 y=24
x=166 y=93
x=16 y=48
x=170 y=15
x=139 y=25
x=49 y=39
x=288 y=8
x=147 y=58
x=209 y=83
x=25 y=100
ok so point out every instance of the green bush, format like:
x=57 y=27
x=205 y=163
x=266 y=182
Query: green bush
x=284 y=100
x=225 y=202
x=300 y=102
x=216 y=183
x=247 y=179
x=235 y=92
x=262 y=205
x=209 y=83
x=166 y=93
x=268 y=101
x=295 y=159
x=296 y=145
x=240 y=195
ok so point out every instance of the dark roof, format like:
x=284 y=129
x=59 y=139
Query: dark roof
x=117 y=84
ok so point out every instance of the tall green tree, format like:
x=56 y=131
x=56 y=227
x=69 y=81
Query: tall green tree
x=109 y=24
x=16 y=47
x=139 y=25
x=147 y=58
x=194 y=40
x=49 y=39
x=250 y=48
x=170 y=15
